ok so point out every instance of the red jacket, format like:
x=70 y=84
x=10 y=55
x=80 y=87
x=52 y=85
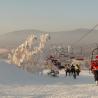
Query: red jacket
x=94 y=65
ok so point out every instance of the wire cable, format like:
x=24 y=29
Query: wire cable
x=86 y=34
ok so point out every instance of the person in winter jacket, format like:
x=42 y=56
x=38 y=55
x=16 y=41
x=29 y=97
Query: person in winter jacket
x=94 y=69
x=77 y=68
x=73 y=71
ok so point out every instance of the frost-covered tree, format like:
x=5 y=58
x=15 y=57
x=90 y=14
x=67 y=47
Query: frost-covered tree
x=29 y=54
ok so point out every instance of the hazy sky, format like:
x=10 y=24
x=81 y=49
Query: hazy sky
x=47 y=15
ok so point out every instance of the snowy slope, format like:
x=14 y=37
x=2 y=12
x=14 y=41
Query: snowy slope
x=16 y=83
x=12 y=74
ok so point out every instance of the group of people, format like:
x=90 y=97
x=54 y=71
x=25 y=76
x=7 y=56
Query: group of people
x=71 y=69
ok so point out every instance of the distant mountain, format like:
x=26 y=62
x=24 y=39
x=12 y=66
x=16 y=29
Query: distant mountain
x=13 y=39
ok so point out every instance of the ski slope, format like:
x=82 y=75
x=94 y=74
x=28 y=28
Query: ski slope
x=17 y=83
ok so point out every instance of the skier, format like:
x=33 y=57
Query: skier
x=94 y=69
x=67 y=69
x=77 y=68
x=54 y=68
x=73 y=71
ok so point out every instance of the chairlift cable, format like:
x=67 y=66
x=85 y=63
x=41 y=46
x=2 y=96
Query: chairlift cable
x=86 y=34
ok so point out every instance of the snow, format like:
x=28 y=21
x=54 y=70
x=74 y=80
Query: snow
x=17 y=83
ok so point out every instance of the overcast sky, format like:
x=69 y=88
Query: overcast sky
x=47 y=15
